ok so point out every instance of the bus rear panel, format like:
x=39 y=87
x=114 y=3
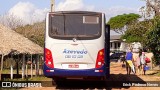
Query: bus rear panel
x=75 y=45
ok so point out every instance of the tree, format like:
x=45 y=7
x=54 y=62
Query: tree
x=152 y=40
x=136 y=31
x=33 y=32
x=119 y=23
x=10 y=21
x=152 y=8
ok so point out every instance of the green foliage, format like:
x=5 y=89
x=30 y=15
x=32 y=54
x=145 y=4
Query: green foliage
x=117 y=23
x=152 y=40
x=131 y=38
x=136 y=31
x=33 y=32
x=147 y=32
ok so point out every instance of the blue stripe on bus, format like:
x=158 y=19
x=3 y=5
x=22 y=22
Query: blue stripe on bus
x=81 y=73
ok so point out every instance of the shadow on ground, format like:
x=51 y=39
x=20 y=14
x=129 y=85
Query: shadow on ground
x=116 y=81
x=7 y=77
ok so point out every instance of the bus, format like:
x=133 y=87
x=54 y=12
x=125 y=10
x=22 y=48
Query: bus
x=76 y=45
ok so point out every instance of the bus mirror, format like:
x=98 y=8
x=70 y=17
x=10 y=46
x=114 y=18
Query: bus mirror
x=107 y=29
x=107 y=45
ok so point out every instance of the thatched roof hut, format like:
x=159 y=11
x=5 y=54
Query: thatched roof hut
x=10 y=40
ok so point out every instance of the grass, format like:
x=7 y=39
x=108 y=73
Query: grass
x=7 y=71
x=39 y=78
x=35 y=78
x=158 y=74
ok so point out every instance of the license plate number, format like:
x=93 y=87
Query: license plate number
x=73 y=66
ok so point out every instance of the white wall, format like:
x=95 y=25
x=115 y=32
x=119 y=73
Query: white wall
x=123 y=46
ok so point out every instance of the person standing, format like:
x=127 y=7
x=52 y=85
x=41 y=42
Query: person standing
x=129 y=63
x=141 y=63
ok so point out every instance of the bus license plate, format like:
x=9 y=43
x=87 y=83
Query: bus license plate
x=73 y=66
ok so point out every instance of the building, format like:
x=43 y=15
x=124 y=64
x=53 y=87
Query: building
x=117 y=44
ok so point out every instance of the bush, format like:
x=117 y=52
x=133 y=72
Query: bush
x=8 y=62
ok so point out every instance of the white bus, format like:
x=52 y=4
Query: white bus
x=76 y=45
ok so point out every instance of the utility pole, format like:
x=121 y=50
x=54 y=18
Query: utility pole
x=52 y=5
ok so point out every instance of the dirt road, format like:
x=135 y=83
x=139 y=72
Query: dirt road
x=118 y=76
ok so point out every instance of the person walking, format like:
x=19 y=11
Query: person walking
x=141 y=63
x=122 y=57
x=129 y=63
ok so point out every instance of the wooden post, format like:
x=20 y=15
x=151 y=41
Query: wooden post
x=17 y=65
x=26 y=70
x=38 y=62
x=23 y=66
x=2 y=62
x=41 y=69
x=31 y=67
x=11 y=71
x=11 y=66
x=37 y=65
x=1 y=65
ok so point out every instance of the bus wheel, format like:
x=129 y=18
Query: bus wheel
x=53 y=82
x=104 y=78
x=58 y=80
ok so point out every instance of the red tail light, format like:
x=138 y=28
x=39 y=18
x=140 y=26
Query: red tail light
x=100 y=59
x=49 y=58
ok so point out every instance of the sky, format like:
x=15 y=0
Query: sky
x=35 y=10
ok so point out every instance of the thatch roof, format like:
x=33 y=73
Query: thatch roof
x=10 y=40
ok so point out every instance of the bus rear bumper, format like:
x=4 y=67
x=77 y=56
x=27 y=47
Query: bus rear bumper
x=100 y=72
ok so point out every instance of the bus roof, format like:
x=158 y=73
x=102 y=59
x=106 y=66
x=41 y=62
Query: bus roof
x=74 y=12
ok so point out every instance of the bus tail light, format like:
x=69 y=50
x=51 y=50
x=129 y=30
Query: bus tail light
x=100 y=59
x=49 y=58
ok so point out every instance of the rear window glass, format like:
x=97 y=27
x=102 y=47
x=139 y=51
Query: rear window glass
x=74 y=25
x=90 y=19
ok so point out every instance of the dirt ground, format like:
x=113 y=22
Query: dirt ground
x=118 y=74
x=116 y=69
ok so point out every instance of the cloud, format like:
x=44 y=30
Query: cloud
x=73 y=5
x=119 y=10
x=28 y=12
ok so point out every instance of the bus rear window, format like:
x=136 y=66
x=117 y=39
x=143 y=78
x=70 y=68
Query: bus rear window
x=74 y=25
